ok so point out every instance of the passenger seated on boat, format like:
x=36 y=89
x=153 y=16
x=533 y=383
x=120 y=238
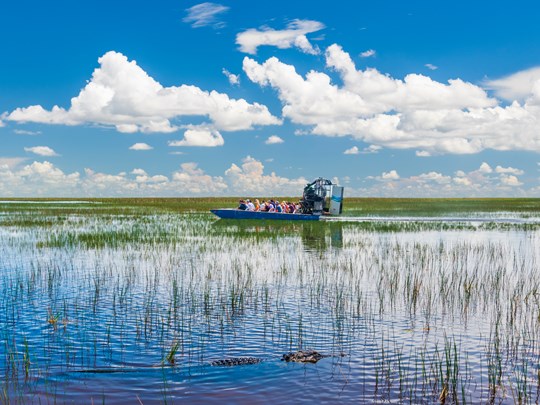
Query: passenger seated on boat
x=250 y=205
x=242 y=205
x=271 y=206
x=279 y=208
x=292 y=208
x=257 y=205
x=287 y=207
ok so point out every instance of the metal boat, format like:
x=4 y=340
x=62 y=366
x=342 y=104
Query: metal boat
x=320 y=198
x=233 y=213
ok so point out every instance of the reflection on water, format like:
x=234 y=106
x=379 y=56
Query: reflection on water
x=92 y=308
x=316 y=236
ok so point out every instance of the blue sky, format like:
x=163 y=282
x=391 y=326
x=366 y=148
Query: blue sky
x=185 y=98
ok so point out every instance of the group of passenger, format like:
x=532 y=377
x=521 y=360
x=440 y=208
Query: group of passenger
x=285 y=207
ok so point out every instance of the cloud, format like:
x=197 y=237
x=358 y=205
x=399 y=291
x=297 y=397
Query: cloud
x=24 y=132
x=273 y=139
x=435 y=177
x=509 y=180
x=234 y=80
x=41 y=151
x=11 y=162
x=189 y=180
x=143 y=177
x=462 y=181
x=205 y=14
x=37 y=179
x=200 y=137
x=140 y=146
x=365 y=151
x=517 y=86
x=246 y=179
x=193 y=180
x=367 y=54
x=391 y=175
x=371 y=149
x=509 y=170
x=431 y=67
x=352 y=151
x=121 y=94
x=249 y=179
x=415 y=112
x=479 y=182
x=485 y=168
x=293 y=35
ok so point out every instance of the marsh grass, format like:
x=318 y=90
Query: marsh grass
x=424 y=311
x=352 y=205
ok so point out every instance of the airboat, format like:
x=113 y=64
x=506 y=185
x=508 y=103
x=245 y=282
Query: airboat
x=321 y=198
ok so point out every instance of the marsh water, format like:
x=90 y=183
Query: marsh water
x=134 y=307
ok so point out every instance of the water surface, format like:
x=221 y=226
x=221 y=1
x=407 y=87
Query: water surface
x=91 y=305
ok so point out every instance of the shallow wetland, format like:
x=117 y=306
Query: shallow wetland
x=118 y=301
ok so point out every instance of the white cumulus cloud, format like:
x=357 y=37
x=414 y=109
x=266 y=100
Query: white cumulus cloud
x=436 y=177
x=205 y=14
x=517 y=86
x=510 y=180
x=293 y=35
x=273 y=139
x=142 y=177
x=391 y=175
x=249 y=179
x=480 y=182
x=509 y=170
x=371 y=149
x=121 y=94
x=193 y=180
x=352 y=151
x=485 y=168
x=200 y=137
x=140 y=146
x=36 y=180
x=41 y=151
x=234 y=80
x=415 y=112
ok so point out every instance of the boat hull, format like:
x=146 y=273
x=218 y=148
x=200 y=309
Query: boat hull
x=231 y=213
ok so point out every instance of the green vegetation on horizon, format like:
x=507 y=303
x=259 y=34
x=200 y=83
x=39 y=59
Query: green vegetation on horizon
x=352 y=206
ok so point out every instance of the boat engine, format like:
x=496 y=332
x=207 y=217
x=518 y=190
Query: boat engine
x=321 y=196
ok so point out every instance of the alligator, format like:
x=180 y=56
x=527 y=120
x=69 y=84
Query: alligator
x=301 y=356
x=236 y=361
x=304 y=356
